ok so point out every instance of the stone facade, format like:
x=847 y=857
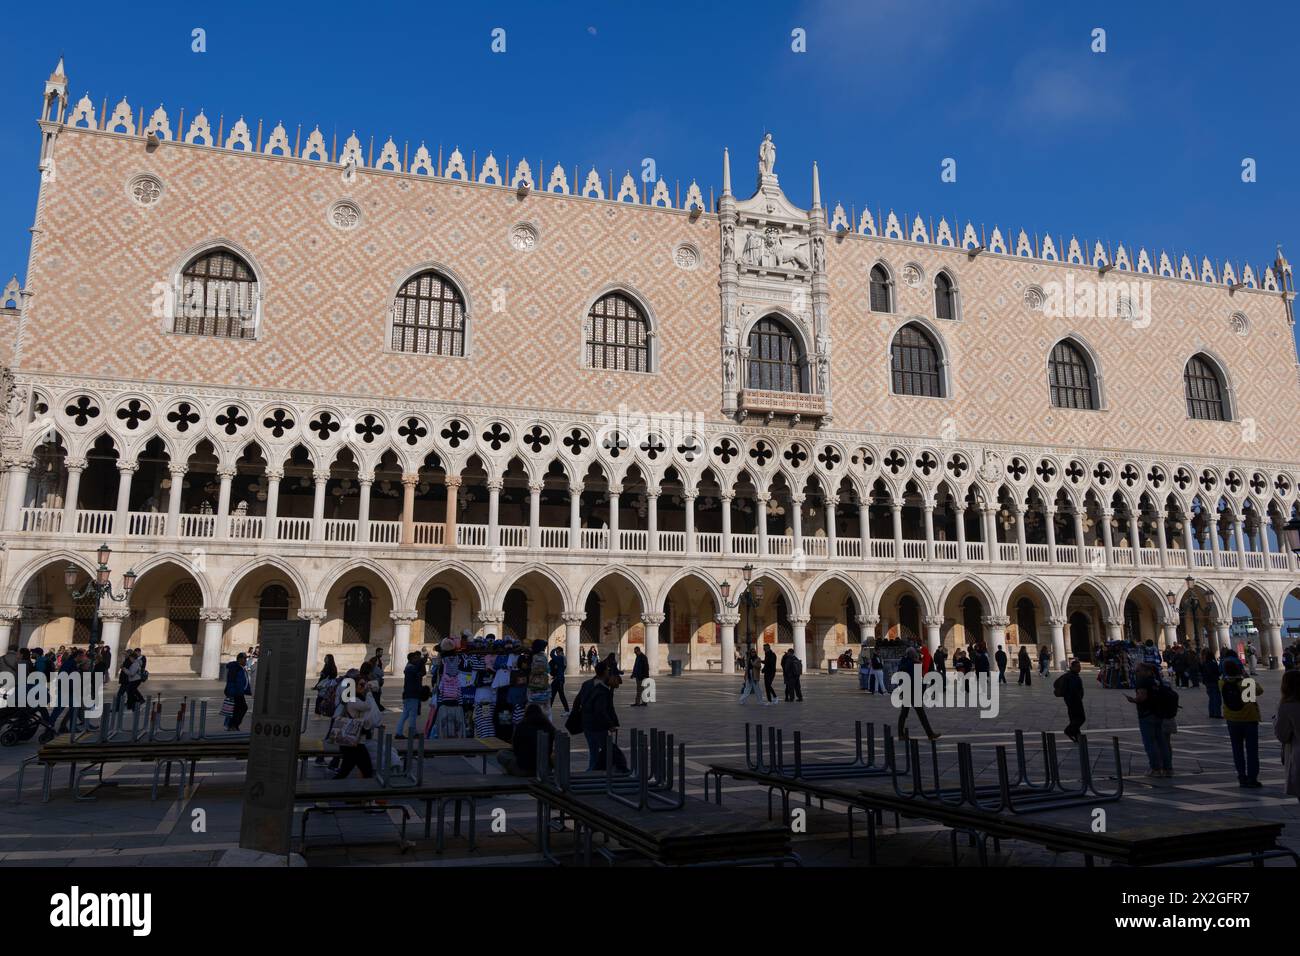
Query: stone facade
x=290 y=467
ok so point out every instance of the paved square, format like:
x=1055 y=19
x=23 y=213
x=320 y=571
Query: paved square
x=122 y=827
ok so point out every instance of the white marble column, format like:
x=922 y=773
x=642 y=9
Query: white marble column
x=402 y=621
x=1108 y=542
x=573 y=621
x=313 y=617
x=534 y=515
x=222 y=531
x=74 y=467
x=832 y=547
x=174 y=494
x=1215 y=545
x=320 y=476
x=896 y=511
x=691 y=545
x=961 y=533
x=1049 y=516
x=214 y=629
x=796 y=516
x=10 y=619
x=615 y=492
x=652 y=522
x=271 y=531
x=1056 y=630
x=575 y=516
x=995 y=629
x=1161 y=532
x=1170 y=627
x=450 y=538
x=1021 y=544
x=799 y=632
x=932 y=625
x=122 y=512
x=929 y=531
x=110 y=632
x=725 y=507
x=761 y=500
x=650 y=624
x=727 y=640
x=1239 y=529
x=19 y=469
x=991 y=534
x=1272 y=639
x=408 y=508
x=1079 y=538
x=364 y=484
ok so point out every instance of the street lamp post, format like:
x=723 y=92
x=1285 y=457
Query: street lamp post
x=99 y=587
x=1194 y=605
x=751 y=597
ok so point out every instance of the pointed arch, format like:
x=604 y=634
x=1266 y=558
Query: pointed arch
x=431 y=575
x=854 y=587
x=333 y=577
x=252 y=566
x=681 y=574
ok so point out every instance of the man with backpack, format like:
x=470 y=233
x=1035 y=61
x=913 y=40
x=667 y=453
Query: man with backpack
x=593 y=714
x=1157 y=705
x=1069 y=687
x=1241 y=713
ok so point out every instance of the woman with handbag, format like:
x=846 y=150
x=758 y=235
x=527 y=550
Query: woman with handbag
x=356 y=718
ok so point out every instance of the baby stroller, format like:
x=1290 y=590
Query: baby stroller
x=20 y=724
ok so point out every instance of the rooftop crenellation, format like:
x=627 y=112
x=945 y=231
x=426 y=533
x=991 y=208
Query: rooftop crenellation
x=520 y=177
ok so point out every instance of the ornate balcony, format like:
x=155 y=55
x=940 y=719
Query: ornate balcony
x=754 y=401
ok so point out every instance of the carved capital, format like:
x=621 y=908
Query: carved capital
x=9 y=615
x=573 y=618
x=214 y=614
x=316 y=614
x=728 y=620
x=995 y=620
x=128 y=467
x=74 y=464
x=653 y=620
x=934 y=621
x=798 y=621
x=275 y=474
x=404 y=617
x=495 y=484
x=118 y=614
x=451 y=481
x=410 y=481
x=320 y=475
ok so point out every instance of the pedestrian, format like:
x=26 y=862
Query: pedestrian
x=377 y=676
x=640 y=674
x=1210 y=674
x=1044 y=660
x=980 y=657
x=413 y=690
x=355 y=720
x=557 y=666
x=1241 y=713
x=1026 y=666
x=791 y=671
x=769 y=673
x=941 y=664
x=1286 y=728
x=912 y=689
x=236 y=691
x=1001 y=658
x=749 y=686
x=1178 y=664
x=878 y=674
x=1252 y=657
x=596 y=717
x=1155 y=741
x=1069 y=687
x=864 y=669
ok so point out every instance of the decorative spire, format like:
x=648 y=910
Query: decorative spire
x=817 y=188
x=726 y=172
x=58 y=70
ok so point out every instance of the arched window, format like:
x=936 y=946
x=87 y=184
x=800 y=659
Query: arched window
x=183 y=605
x=775 y=359
x=1026 y=621
x=1070 y=376
x=617 y=335
x=591 y=625
x=1204 y=390
x=429 y=316
x=881 y=299
x=437 y=615
x=915 y=363
x=945 y=297
x=217 y=296
x=356 y=616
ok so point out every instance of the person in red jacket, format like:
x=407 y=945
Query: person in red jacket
x=927 y=662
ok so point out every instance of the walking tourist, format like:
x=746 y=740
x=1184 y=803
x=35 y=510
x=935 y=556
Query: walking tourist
x=640 y=673
x=1044 y=660
x=557 y=667
x=1001 y=658
x=1026 y=666
x=941 y=664
x=908 y=666
x=412 y=689
x=236 y=691
x=1241 y=713
x=1286 y=728
x=864 y=669
x=596 y=717
x=355 y=720
x=1069 y=687
x=521 y=759
x=769 y=673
